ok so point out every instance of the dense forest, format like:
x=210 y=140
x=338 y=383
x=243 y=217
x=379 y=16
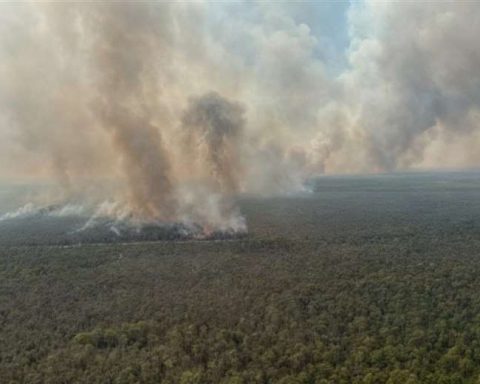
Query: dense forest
x=247 y=312
x=338 y=291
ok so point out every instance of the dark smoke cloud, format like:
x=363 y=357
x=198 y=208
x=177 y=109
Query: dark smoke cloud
x=214 y=127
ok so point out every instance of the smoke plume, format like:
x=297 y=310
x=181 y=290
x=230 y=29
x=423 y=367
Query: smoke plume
x=125 y=51
x=215 y=128
x=166 y=112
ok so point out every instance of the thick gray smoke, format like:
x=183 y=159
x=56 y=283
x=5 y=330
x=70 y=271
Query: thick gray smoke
x=125 y=52
x=215 y=129
x=178 y=107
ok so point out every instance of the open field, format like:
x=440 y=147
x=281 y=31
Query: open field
x=364 y=280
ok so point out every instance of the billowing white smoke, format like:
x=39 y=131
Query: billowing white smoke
x=182 y=106
x=410 y=97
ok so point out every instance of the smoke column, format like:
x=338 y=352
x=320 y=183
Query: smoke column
x=123 y=51
x=214 y=127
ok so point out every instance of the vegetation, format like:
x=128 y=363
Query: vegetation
x=392 y=300
x=259 y=312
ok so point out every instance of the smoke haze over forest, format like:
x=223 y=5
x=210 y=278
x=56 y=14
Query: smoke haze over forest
x=182 y=106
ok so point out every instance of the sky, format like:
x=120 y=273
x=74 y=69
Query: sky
x=183 y=103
